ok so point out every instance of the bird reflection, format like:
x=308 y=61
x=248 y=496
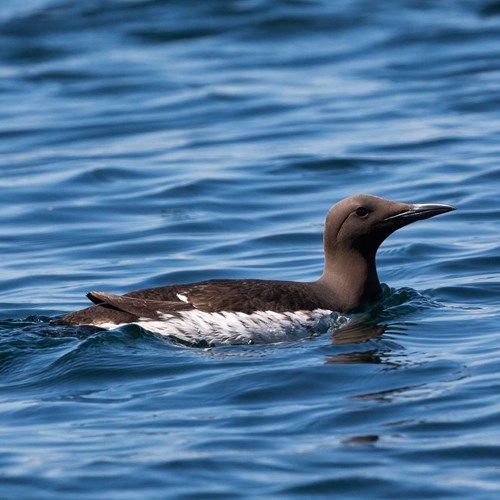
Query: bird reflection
x=357 y=332
x=366 y=440
x=354 y=358
x=362 y=331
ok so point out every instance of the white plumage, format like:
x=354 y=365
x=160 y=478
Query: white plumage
x=223 y=328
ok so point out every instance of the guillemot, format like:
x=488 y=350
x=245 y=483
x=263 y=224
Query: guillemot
x=241 y=311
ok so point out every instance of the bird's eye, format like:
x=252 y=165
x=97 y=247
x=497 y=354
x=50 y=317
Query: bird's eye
x=361 y=212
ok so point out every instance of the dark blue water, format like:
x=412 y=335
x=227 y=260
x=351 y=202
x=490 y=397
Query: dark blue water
x=145 y=143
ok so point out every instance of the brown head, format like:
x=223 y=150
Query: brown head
x=354 y=229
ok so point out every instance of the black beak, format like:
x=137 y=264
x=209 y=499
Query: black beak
x=419 y=212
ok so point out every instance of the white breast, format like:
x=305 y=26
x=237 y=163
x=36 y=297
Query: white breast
x=222 y=328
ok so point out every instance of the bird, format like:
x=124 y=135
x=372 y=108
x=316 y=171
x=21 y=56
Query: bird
x=246 y=311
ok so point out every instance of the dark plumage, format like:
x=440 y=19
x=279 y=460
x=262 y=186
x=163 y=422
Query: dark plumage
x=354 y=229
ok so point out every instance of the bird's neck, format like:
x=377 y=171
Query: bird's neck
x=350 y=279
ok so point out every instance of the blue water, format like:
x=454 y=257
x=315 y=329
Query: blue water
x=145 y=143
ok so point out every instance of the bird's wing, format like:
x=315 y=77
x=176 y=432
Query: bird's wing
x=248 y=296
x=142 y=308
x=244 y=296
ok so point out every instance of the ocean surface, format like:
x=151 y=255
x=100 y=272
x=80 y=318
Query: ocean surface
x=145 y=143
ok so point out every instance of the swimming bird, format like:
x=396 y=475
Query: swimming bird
x=236 y=311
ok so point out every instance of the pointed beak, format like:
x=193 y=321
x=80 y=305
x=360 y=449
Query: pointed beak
x=419 y=212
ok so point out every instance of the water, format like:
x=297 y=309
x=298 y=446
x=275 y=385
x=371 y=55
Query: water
x=146 y=143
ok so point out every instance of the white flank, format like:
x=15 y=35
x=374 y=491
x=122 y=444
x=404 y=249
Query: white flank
x=182 y=297
x=234 y=327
